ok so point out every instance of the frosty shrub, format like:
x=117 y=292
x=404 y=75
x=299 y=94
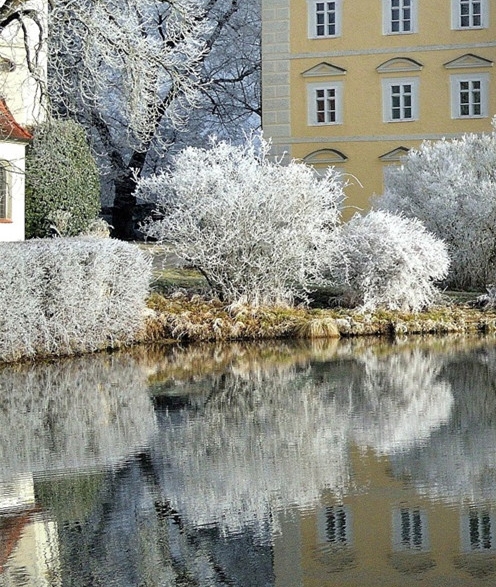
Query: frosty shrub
x=450 y=186
x=68 y=295
x=257 y=230
x=388 y=261
x=62 y=181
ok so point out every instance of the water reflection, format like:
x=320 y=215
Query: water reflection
x=77 y=413
x=341 y=463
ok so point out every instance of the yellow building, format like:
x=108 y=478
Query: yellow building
x=357 y=83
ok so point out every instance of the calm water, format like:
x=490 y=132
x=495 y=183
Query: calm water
x=317 y=465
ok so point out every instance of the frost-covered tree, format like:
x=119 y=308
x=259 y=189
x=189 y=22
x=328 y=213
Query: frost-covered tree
x=386 y=260
x=257 y=230
x=61 y=180
x=450 y=186
x=132 y=72
x=230 y=94
x=126 y=69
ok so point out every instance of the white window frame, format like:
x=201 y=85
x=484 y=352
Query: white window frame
x=387 y=17
x=313 y=10
x=458 y=20
x=387 y=99
x=5 y=191
x=483 y=79
x=312 y=107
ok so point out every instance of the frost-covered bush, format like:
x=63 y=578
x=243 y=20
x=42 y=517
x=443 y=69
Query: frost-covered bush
x=256 y=229
x=451 y=187
x=388 y=261
x=62 y=181
x=68 y=295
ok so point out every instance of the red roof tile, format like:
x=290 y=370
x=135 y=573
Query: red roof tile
x=9 y=128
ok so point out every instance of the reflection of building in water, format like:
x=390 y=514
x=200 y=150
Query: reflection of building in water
x=28 y=540
x=477 y=526
x=385 y=533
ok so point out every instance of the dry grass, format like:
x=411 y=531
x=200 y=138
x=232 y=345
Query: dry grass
x=196 y=318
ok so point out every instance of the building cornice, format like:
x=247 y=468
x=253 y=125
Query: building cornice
x=389 y=50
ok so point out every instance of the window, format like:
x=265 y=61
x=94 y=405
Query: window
x=334 y=525
x=469 y=96
x=410 y=530
x=400 y=99
x=477 y=529
x=399 y=16
x=325 y=103
x=324 y=19
x=5 y=211
x=469 y=14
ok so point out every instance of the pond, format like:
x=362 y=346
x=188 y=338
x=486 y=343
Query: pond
x=331 y=463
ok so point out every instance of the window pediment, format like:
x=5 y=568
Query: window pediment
x=394 y=155
x=325 y=157
x=399 y=64
x=324 y=69
x=467 y=61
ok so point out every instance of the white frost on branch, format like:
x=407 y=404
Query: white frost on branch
x=259 y=231
x=386 y=260
x=450 y=185
x=137 y=61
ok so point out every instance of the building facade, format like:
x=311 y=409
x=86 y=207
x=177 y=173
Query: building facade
x=357 y=83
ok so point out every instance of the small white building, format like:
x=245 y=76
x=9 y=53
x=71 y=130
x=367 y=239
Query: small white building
x=13 y=141
x=20 y=107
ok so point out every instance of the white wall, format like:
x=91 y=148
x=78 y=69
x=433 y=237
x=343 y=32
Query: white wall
x=19 y=87
x=13 y=229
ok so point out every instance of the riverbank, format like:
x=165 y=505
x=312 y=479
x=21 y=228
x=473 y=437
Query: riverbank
x=195 y=318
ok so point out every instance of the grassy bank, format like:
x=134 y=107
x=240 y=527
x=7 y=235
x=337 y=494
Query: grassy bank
x=179 y=311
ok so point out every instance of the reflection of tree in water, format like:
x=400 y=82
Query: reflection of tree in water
x=252 y=443
x=255 y=440
x=400 y=401
x=75 y=413
x=131 y=537
x=233 y=448
x=459 y=462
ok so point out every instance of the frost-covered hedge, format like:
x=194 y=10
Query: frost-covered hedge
x=70 y=295
x=389 y=261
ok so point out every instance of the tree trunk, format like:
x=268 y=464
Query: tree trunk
x=124 y=218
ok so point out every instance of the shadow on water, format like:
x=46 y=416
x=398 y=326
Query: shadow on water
x=290 y=464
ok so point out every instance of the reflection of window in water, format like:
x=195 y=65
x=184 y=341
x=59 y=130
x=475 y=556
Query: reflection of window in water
x=335 y=525
x=410 y=529
x=477 y=530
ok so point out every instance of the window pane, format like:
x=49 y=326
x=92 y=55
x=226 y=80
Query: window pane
x=326 y=105
x=325 y=18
